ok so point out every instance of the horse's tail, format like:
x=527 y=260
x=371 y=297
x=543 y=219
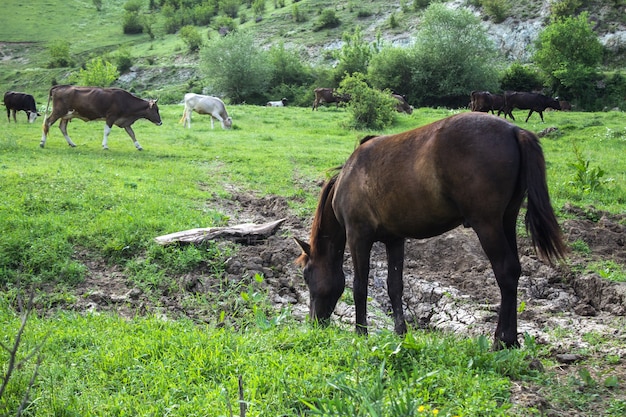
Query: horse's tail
x=540 y=219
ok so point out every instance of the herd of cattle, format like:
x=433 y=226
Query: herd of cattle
x=121 y=108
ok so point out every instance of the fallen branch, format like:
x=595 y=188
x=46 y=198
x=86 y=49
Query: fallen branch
x=248 y=233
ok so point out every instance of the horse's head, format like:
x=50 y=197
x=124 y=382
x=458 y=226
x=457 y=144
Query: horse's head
x=324 y=276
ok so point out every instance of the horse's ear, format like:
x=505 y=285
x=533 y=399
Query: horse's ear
x=306 y=248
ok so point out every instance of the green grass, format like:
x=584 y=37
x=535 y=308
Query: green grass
x=110 y=205
x=105 y=365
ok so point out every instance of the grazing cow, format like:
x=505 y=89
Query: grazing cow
x=210 y=105
x=281 y=103
x=565 y=105
x=328 y=95
x=534 y=102
x=402 y=106
x=20 y=101
x=481 y=101
x=113 y=105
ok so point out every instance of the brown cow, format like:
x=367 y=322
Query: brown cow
x=402 y=106
x=534 y=102
x=328 y=95
x=113 y=105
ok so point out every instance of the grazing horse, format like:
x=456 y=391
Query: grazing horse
x=472 y=169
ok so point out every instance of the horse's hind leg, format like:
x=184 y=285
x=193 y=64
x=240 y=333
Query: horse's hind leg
x=506 y=267
x=395 y=286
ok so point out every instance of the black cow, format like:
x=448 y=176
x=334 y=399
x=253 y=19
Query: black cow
x=402 y=106
x=113 y=105
x=15 y=102
x=328 y=95
x=484 y=101
x=534 y=102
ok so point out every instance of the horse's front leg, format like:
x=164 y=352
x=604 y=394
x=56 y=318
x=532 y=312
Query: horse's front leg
x=395 y=286
x=360 y=252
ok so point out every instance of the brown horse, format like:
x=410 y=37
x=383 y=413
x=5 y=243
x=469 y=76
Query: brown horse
x=473 y=169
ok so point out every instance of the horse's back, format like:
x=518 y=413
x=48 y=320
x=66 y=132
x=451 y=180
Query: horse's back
x=426 y=181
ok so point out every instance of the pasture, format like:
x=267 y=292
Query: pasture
x=74 y=220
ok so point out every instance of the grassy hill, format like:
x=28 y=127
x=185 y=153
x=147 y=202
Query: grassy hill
x=28 y=29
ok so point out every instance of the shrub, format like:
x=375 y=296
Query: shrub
x=297 y=15
x=230 y=7
x=563 y=8
x=452 y=56
x=390 y=69
x=369 y=108
x=131 y=23
x=59 y=54
x=327 y=20
x=236 y=67
x=192 y=38
x=497 y=10
x=123 y=60
x=520 y=77
x=97 y=73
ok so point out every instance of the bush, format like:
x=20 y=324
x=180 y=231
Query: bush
x=131 y=23
x=236 y=67
x=59 y=54
x=327 y=20
x=497 y=10
x=98 y=73
x=123 y=60
x=519 y=77
x=564 y=8
x=390 y=69
x=192 y=38
x=452 y=56
x=369 y=108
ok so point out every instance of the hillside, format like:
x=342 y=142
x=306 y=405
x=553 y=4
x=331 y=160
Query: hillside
x=162 y=63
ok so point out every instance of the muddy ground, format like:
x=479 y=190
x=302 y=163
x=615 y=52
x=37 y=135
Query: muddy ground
x=449 y=286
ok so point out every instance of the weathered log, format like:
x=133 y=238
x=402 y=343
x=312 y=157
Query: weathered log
x=248 y=233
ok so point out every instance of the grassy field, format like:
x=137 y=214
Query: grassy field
x=111 y=204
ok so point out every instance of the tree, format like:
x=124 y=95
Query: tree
x=568 y=51
x=236 y=67
x=452 y=55
x=354 y=55
x=390 y=68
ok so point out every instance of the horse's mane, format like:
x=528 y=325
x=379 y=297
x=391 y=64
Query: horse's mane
x=366 y=138
x=326 y=193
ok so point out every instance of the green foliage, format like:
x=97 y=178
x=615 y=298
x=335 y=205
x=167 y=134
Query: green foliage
x=587 y=179
x=288 y=68
x=370 y=108
x=123 y=60
x=258 y=8
x=560 y=9
x=236 y=67
x=297 y=14
x=452 y=55
x=519 y=77
x=192 y=38
x=354 y=55
x=59 y=54
x=97 y=73
x=230 y=7
x=97 y=4
x=609 y=270
x=497 y=10
x=327 y=20
x=568 y=51
x=132 y=23
x=133 y=6
x=390 y=69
